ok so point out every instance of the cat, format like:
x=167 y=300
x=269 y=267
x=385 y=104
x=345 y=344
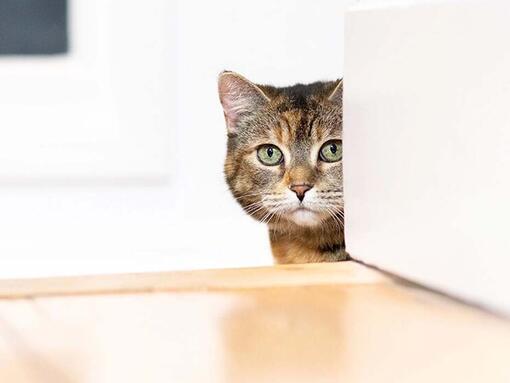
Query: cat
x=284 y=163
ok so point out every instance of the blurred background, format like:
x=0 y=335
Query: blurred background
x=112 y=137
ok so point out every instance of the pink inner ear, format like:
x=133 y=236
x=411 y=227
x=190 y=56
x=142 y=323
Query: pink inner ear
x=230 y=118
x=231 y=109
x=229 y=97
x=237 y=96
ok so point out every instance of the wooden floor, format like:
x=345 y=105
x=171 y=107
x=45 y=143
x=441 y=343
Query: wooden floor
x=314 y=323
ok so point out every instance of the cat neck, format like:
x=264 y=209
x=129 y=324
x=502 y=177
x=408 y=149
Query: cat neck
x=291 y=243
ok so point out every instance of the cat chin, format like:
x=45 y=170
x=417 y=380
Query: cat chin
x=304 y=217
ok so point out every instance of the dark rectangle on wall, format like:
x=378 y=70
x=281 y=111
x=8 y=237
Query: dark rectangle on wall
x=33 y=27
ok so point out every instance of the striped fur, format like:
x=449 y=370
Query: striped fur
x=298 y=120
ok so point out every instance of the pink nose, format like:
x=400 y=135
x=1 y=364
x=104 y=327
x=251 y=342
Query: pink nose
x=300 y=190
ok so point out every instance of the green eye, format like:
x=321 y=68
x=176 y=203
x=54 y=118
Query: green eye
x=331 y=151
x=269 y=155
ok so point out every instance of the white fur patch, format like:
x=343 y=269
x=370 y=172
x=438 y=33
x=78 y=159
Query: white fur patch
x=304 y=217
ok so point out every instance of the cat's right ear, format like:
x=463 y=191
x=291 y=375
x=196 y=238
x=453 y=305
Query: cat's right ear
x=238 y=97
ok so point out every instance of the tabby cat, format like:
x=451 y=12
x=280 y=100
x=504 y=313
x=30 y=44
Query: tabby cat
x=284 y=163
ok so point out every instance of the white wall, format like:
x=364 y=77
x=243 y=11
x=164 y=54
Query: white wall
x=139 y=185
x=427 y=138
x=80 y=115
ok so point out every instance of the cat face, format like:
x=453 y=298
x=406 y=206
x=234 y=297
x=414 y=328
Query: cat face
x=284 y=153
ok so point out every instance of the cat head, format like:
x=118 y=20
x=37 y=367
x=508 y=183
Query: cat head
x=284 y=152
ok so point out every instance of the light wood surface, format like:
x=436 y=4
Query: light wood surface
x=312 y=323
x=198 y=280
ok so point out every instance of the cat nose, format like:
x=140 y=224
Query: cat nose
x=300 y=190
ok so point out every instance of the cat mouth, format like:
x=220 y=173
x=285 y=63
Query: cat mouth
x=302 y=207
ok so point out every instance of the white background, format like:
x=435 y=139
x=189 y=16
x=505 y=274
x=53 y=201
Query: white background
x=427 y=138
x=111 y=158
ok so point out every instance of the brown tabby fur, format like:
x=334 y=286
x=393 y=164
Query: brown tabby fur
x=298 y=120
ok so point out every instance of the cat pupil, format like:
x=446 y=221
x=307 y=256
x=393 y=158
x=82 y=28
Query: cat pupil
x=333 y=148
x=270 y=152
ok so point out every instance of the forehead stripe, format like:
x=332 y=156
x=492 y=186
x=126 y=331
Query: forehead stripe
x=310 y=125
x=286 y=120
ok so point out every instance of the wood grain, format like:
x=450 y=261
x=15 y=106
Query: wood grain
x=221 y=279
x=312 y=323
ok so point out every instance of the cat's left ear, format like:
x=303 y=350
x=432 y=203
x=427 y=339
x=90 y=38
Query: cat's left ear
x=337 y=94
x=238 y=97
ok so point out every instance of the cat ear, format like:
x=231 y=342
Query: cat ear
x=337 y=94
x=238 y=96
